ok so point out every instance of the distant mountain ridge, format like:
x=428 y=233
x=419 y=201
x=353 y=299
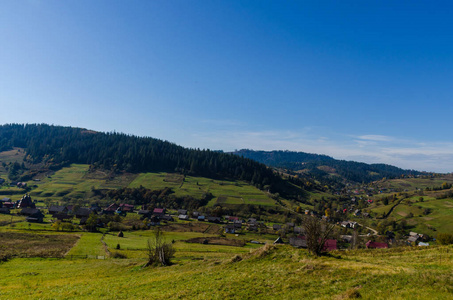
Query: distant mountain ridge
x=325 y=168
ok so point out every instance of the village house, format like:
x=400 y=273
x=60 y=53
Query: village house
x=144 y=213
x=82 y=212
x=348 y=224
x=35 y=217
x=22 y=185
x=159 y=212
x=55 y=209
x=415 y=237
x=229 y=228
x=214 y=220
x=346 y=238
x=182 y=211
x=252 y=226
x=110 y=210
x=232 y=219
x=330 y=245
x=183 y=217
x=28 y=211
x=125 y=208
x=166 y=218
x=376 y=245
x=62 y=216
x=9 y=204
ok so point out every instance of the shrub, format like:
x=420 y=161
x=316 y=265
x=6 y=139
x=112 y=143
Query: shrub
x=117 y=254
x=159 y=251
x=445 y=238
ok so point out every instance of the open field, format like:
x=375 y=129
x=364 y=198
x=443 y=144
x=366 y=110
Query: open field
x=224 y=191
x=267 y=273
x=11 y=156
x=414 y=183
x=28 y=244
x=429 y=216
x=75 y=182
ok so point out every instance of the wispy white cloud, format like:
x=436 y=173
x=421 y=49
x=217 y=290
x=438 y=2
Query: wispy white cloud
x=377 y=138
x=418 y=155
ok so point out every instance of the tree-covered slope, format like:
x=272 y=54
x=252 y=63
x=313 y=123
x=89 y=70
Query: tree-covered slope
x=58 y=146
x=322 y=166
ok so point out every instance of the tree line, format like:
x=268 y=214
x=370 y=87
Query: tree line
x=58 y=146
x=350 y=170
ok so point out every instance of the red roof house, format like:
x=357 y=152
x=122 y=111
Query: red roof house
x=376 y=245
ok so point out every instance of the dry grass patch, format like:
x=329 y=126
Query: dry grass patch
x=35 y=245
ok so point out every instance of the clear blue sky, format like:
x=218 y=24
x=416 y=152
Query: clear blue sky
x=369 y=81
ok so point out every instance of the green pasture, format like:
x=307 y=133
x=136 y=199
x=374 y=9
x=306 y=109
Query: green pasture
x=11 y=156
x=266 y=273
x=229 y=192
x=88 y=244
x=414 y=183
x=73 y=182
x=440 y=218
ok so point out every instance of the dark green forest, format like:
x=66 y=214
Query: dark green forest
x=57 y=146
x=349 y=170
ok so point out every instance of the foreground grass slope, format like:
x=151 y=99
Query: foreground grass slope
x=267 y=273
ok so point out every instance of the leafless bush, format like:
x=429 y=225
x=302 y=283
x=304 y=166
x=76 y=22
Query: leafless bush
x=317 y=232
x=159 y=251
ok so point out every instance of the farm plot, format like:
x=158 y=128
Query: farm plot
x=35 y=245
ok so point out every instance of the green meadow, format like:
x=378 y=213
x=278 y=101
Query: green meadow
x=219 y=272
x=224 y=191
x=429 y=216
x=76 y=183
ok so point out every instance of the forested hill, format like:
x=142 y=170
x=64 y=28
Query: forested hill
x=57 y=146
x=322 y=167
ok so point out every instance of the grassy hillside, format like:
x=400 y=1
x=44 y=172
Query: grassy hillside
x=210 y=271
x=75 y=182
x=217 y=273
x=224 y=191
